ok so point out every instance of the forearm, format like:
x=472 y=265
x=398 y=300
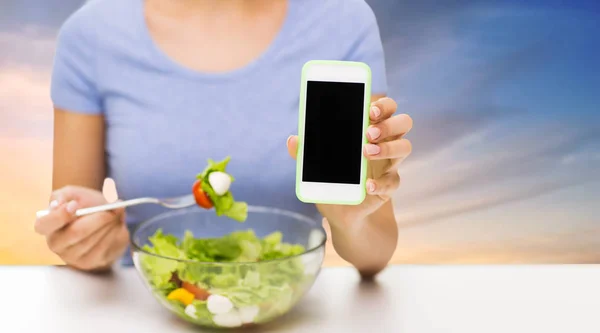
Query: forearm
x=78 y=150
x=367 y=244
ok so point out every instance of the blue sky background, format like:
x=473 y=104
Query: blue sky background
x=506 y=101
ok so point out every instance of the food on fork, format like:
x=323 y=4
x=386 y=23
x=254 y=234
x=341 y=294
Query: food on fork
x=211 y=190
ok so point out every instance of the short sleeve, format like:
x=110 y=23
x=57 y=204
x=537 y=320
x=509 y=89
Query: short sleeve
x=73 y=85
x=368 y=47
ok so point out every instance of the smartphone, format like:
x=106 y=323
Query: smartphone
x=334 y=115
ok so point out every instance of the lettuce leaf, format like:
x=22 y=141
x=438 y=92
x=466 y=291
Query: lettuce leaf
x=238 y=211
x=166 y=245
x=204 y=316
x=161 y=269
x=214 y=166
x=238 y=246
x=222 y=203
x=274 y=248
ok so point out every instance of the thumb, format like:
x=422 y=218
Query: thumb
x=292 y=146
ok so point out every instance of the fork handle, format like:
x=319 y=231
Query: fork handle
x=103 y=208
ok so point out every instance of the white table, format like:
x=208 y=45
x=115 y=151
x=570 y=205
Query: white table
x=419 y=299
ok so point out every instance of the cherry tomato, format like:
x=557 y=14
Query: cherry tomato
x=199 y=293
x=201 y=197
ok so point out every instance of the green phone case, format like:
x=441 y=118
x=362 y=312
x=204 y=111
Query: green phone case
x=366 y=121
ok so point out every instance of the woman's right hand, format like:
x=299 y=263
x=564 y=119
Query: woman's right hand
x=90 y=243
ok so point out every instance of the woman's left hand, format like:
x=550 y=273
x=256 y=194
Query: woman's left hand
x=386 y=149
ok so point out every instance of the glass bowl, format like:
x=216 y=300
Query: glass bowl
x=230 y=294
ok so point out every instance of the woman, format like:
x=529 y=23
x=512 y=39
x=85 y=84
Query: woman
x=145 y=91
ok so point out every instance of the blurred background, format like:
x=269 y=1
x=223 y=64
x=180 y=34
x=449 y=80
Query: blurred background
x=505 y=96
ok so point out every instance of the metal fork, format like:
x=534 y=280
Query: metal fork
x=172 y=203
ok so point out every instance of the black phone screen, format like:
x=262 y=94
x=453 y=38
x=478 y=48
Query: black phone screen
x=333 y=132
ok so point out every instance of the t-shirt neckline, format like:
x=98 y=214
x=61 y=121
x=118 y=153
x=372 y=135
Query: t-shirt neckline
x=173 y=65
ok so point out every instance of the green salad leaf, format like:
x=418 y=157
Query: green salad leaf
x=238 y=211
x=202 y=314
x=166 y=245
x=214 y=166
x=161 y=269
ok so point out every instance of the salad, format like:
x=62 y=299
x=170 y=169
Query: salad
x=211 y=189
x=229 y=281
x=205 y=288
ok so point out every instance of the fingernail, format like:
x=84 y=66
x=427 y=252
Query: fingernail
x=374 y=132
x=372 y=149
x=288 y=140
x=376 y=112
x=53 y=204
x=72 y=206
x=371 y=187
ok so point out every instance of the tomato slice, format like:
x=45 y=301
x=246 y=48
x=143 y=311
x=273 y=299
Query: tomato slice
x=199 y=293
x=201 y=197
